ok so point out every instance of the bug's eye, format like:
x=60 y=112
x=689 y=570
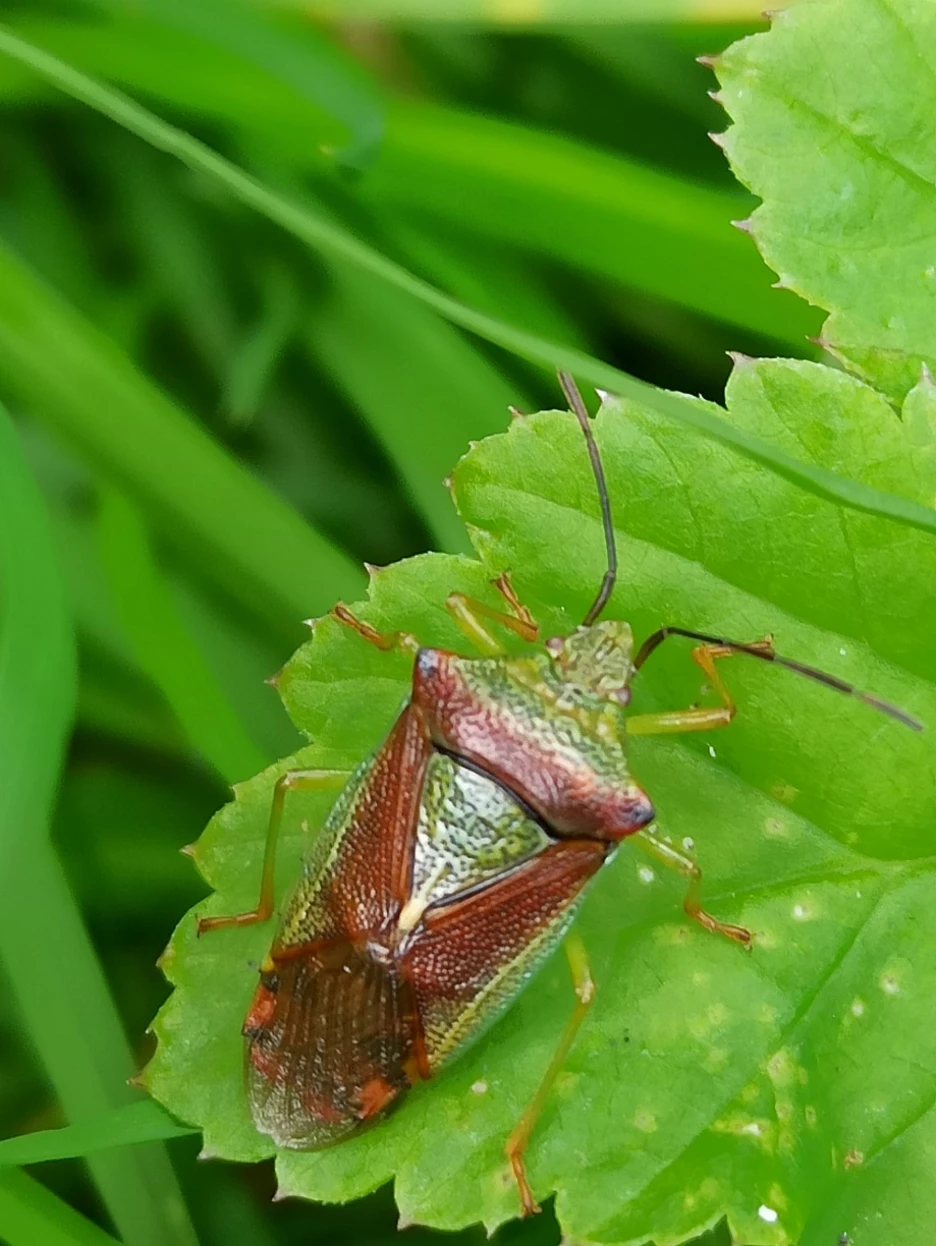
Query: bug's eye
x=621 y=696
x=555 y=646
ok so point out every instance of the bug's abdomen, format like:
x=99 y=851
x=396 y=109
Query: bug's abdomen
x=333 y=1038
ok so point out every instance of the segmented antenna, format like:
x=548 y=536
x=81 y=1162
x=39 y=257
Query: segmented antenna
x=810 y=672
x=571 y=391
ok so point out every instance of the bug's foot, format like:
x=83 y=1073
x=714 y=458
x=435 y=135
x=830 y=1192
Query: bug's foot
x=529 y=1205
x=738 y=934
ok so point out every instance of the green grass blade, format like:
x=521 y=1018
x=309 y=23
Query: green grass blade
x=129 y=1125
x=336 y=242
x=603 y=213
x=56 y=981
x=181 y=262
x=251 y=366
x=185 y=483
x=165 y=648
x=424 y=390
x=611 y=217
x=314 y=66
x=31 y=1215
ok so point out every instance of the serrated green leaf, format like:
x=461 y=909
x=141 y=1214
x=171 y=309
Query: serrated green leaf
x=775 y=1087
x=833 y=113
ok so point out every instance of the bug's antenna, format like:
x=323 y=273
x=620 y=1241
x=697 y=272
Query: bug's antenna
x=571 y=391
x=767 y=655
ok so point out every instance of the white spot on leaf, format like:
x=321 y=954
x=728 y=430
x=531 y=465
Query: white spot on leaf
x=889 y=984
x=767 y=1214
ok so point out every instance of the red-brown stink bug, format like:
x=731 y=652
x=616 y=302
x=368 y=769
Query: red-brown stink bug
x=456 y=856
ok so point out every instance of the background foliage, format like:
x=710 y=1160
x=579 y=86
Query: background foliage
x=223 y=424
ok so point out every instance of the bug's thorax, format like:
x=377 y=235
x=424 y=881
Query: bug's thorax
x=550 y=726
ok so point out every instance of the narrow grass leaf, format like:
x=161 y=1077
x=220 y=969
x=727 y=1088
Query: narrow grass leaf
x=336 y=242
x=30 y=1214
x=130 y=1125
x=165 y=648
x=603 y=213
x=57 y=984
x=423 y=389
x=302 y=57
x=188 y=486
x=612 y=217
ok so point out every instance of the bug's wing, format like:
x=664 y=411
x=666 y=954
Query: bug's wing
x=330 y=1044
x=332 y=1033
x=357 y=875
x=472 y=954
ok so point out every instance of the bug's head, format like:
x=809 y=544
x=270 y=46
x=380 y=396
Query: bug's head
x=597 y=660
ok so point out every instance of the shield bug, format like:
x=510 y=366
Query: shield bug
x=456 y=856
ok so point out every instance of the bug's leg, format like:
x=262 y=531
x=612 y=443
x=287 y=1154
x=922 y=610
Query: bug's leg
x=382 y=640
x=469 y=614
x=697 y=718
x=291 y=781
x=674 y=859
x=517 y=1142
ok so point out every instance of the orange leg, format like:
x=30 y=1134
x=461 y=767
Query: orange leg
x=698 y=718
x=469 y=614
x=382 y=640
x=701 y=718
x=517 y=1142
x=292 y=780
x=673 y=859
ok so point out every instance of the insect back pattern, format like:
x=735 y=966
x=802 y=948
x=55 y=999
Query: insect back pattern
x=455 y=857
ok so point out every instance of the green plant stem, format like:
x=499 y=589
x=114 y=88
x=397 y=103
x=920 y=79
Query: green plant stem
x=56 y=980
x=333 y=241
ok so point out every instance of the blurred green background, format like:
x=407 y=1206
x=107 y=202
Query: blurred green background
x=223 y=427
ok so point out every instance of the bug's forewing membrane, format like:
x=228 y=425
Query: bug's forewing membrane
x=330 y=1042
x=336 y=1049
x=473 y=953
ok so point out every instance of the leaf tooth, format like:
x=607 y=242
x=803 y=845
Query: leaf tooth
x=740 y=359
x=746 y=226
x=711 y=60
x=719 y=140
